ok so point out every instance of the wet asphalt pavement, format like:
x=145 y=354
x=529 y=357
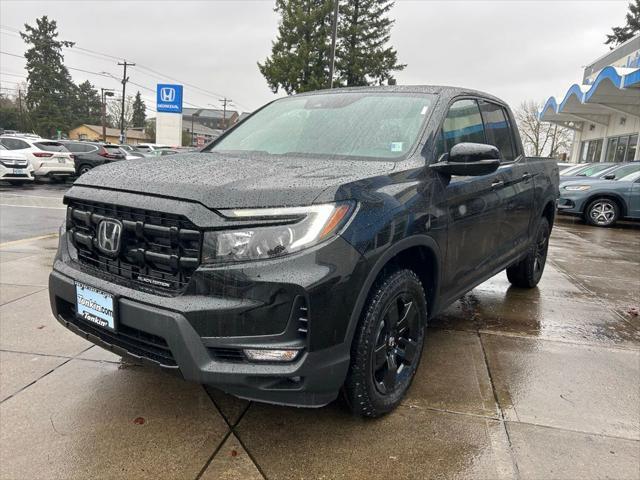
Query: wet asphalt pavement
x=523 y=384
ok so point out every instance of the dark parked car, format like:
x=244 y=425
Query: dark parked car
x=89 y=155
x=307 y=247
x=603 y=202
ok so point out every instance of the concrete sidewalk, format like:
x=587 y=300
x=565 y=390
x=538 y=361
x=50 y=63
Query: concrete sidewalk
x=529 y=384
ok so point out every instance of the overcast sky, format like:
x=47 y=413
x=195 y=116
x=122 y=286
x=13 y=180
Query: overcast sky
x=516 y=50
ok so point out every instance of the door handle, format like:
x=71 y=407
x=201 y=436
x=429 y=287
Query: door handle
x=526 y=176
x=497 y=184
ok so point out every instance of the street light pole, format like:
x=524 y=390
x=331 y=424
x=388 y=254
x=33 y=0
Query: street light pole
x=104 y=93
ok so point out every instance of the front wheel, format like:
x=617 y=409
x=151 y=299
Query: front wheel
x=387 y=345
x=528 y=272
x=602 y=212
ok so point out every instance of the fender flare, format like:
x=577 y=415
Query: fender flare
x=404 y=244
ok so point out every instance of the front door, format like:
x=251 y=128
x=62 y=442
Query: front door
x=473 y=205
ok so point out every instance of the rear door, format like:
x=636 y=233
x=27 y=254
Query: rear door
x=473 y=204
x=516 y=183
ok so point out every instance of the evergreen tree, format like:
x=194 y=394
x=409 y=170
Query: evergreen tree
x=299 y=60
x=139 y=115
x=363 y=56
x=630 y=30
x=51 y=94
x=88 y=107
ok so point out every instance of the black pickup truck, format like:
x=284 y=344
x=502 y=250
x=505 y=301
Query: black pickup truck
x=304 y=251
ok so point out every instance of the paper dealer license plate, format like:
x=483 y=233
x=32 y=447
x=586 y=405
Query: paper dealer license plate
x=95 y=306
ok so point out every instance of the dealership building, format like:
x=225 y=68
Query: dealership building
x=604 y=108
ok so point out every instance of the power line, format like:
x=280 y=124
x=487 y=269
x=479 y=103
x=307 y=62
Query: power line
x=12 y=54
x=21 y=75
x=97 y=54
x=106 y=75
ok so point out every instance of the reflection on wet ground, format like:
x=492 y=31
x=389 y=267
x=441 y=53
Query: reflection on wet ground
x=513 y=383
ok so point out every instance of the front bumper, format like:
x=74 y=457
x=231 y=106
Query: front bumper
x=571 y=203
x=199 y=334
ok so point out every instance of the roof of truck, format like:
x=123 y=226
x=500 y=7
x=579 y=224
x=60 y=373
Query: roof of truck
x=433 y=89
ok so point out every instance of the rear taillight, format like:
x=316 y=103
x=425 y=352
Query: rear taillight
x=42 y=154
x=103 y=153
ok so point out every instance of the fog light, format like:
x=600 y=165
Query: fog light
x=263 y=355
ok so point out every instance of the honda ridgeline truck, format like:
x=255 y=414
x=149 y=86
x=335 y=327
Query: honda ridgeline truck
x=304 y=251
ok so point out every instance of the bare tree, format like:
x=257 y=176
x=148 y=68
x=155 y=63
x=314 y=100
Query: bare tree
x=541 y=139
x=114 y=107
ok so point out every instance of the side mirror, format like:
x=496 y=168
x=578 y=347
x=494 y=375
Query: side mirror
x=610 y=176
x=469 y=159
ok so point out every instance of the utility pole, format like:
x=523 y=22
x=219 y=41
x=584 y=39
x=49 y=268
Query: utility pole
x=225 y=101
x=20 y=108
x=125 y=79
x=334 y=34
x=104 y=93
x=195 y=114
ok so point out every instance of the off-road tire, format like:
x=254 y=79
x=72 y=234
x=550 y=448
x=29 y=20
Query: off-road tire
x=393 y=291
x=528 y=272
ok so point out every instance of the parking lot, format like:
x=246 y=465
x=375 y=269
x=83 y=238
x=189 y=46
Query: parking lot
x=513 y=383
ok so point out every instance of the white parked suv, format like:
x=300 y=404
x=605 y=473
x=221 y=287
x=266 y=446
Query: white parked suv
x=47 y=157
x=14 y=167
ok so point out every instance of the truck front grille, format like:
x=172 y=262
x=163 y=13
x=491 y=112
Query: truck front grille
x=158 y=251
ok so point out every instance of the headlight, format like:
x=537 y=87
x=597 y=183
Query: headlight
x=297 y=228
x=577 y=188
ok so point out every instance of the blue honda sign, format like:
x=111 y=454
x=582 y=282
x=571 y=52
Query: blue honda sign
x=169 y=98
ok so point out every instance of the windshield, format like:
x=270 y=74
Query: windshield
x=347 y=124
x=623 y=171
x=572 y=170
x=594 y=169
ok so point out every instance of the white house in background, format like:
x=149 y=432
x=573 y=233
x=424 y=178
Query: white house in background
x=604 y=109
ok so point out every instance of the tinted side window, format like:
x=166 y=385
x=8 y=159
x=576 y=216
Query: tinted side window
x=75 y=147
x=498 y=129
x=462 y=124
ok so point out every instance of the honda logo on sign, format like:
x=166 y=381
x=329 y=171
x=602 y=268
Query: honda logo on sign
x=109 y=236
x=168 y=94
x=169 y=98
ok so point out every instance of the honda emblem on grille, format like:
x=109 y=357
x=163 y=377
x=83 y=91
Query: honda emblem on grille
x=109 y=236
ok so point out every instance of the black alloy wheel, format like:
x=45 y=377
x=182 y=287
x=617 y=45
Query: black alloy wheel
x=398 y=335
x=387 y=344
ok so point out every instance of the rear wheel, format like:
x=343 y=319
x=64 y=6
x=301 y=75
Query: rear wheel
x=602 y=212
x=528 y=272
x=387 y=345
x=83 y=169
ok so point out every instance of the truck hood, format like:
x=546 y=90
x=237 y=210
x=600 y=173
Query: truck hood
x=219 y=181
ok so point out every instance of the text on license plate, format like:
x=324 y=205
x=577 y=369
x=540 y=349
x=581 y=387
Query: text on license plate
x=95 y=306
